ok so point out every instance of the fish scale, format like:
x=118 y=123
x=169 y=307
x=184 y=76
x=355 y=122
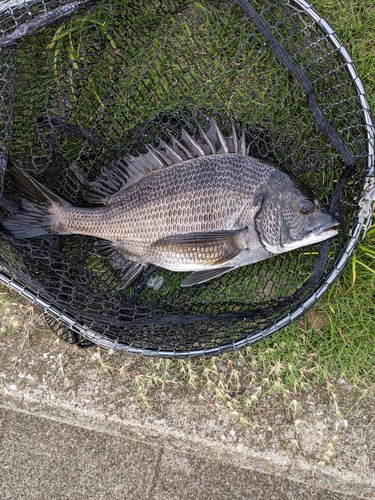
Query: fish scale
x=200 y=195
x=201 y=205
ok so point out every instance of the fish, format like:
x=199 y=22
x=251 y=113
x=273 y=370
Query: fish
x=198 y=204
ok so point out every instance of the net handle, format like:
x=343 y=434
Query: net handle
x=41 y=21
x=318 y=115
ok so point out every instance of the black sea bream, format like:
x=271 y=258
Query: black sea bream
x=198 y=204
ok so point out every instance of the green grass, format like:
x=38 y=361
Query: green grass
x=9 y=320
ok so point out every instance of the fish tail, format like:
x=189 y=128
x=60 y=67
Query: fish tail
x=41 y=211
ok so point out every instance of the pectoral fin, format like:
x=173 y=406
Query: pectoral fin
x=205 y=248
x=202 y=276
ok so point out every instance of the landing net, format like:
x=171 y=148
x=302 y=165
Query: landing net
x=85 y=83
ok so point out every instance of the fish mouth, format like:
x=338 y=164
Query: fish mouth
x=316 y=235
x=326 y=228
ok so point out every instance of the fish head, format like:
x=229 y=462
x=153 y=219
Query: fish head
x=292 y=216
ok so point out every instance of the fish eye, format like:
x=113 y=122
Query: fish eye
x=306 y=206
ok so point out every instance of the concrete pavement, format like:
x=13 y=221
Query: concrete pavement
x=78 y=433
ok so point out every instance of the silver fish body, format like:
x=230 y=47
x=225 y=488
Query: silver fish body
x=200 y=204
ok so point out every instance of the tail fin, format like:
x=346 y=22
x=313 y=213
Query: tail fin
x=39 y=212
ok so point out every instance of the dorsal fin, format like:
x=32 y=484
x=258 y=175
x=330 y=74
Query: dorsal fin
x=170 y=152
x=192 y=144
x=242 y=144
x=154 y=158
x=179 y=147
x=219 y=141
x=203 y=138
x=130 y=169
x=126 y=172
x=233 y=140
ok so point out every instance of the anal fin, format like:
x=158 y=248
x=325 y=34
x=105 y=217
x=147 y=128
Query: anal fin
x=126 y=269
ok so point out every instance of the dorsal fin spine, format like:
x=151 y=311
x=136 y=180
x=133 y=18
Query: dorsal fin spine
x=147 y=161
x=152 y=152
x=179 y=144
x=234 y=137
x=207 y=139
x=242 y=143
x=136 y=166
x=220 y=136
x=167 y=161
x=197 y=146
x=172 y=152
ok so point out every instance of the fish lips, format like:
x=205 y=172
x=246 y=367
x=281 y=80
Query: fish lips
x=316 y=235
x=326 y=228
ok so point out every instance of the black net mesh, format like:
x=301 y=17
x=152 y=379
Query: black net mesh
x=104 y=79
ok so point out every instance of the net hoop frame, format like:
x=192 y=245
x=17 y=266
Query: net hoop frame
x=357 y=233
